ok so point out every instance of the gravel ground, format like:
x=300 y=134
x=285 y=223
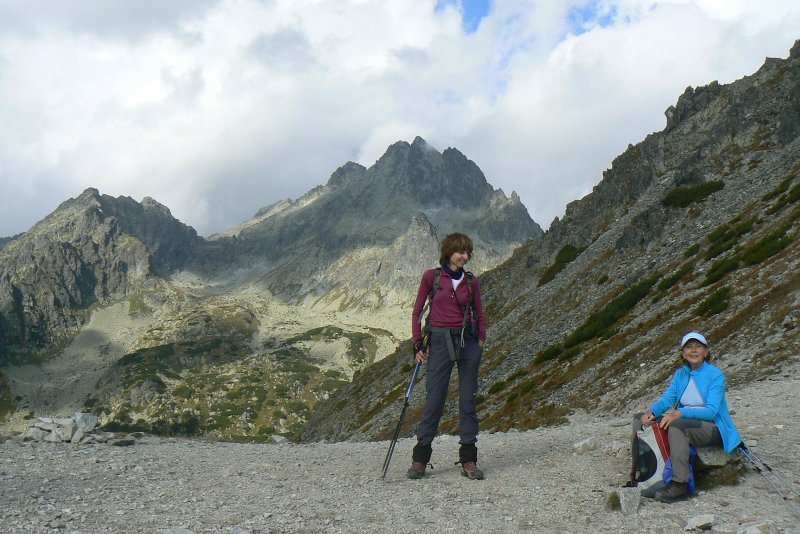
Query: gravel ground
x=535 y=482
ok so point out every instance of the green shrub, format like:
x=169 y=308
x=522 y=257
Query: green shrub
x=480 y=399
x=717 y=302
x=567 y=254
x=599 y=322
x=766 y=248
x=691 y=251
x=718 y=248
x=497 y=386
x=517 y=374
x=182 y=391
x=672 y=279
x=527 y=386
x=781 y=189
x=680 y=197
x=569 y=354
x=725 y=238
x=550 y=353
x=794 y=195
x=722 y=233
x=744 y=226
x=719 y=269
x=602 y=280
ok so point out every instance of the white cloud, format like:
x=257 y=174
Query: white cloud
x=219 y=108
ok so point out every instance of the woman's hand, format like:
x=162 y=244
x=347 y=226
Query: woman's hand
x=648 y=418
x=420 y=356
x=669 y=417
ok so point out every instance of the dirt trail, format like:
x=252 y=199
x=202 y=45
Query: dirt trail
x=535 y=482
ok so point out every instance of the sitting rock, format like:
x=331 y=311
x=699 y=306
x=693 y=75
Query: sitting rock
x=714 y=467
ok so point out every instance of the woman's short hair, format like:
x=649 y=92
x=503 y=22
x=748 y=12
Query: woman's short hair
x=455 y=243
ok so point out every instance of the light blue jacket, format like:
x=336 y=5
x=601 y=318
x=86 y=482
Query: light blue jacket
x=710 y=383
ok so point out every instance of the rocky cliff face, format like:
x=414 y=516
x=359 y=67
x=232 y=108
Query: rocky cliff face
x=362 y=218
x=693 y=228
x=91 y=249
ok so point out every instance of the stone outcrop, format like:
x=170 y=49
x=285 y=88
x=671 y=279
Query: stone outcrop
x=91 y=249
x=79 y=429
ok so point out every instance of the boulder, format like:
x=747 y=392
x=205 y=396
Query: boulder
x=585 y=445
x=757 y=527
x=34 y=434
x=86 y=421
x=700 y=522
x=713 y=457
x=53 y=437
x=629 y=500
x=66 y=432
x=626 y=500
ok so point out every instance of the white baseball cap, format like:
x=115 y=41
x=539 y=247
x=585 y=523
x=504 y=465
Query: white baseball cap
x=694 y=335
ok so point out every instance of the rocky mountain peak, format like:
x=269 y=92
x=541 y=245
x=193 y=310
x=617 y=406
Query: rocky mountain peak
x=92 y=248
x=346 y=174
x=371 y=208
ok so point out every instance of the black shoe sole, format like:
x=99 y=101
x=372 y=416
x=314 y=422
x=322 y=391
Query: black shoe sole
x=465 y=474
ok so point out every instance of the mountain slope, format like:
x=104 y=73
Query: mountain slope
x=693 y=228
x=90 y=250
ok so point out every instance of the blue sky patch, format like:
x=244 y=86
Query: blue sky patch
x=473 y=11
x=583 y=18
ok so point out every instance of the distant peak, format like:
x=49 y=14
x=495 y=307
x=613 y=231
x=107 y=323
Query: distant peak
x=151 y=203
x=89 y=193
x=346 y=173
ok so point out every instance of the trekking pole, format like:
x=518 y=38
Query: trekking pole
x=753 y=459
x=400 y=423
x=771 y=470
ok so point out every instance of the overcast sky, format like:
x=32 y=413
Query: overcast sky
x=216 y=108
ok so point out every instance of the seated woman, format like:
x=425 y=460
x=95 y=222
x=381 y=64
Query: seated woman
x=694 y=411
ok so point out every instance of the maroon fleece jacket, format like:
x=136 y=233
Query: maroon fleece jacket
x=448 y=306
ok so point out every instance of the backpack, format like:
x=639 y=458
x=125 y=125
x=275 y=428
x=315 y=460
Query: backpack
x=651 y=468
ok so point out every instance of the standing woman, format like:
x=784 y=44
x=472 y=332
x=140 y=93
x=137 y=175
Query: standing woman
x=457 y=330
x=694 y=411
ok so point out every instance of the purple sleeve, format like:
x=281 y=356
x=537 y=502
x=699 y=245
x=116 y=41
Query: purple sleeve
x=425 y=286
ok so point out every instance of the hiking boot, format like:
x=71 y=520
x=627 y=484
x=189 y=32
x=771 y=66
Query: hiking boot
x=416 y=471
x=676 y=491
x=470 y=470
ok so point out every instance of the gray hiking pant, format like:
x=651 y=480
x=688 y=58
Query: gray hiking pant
x=437 y=379
x=681 y=434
